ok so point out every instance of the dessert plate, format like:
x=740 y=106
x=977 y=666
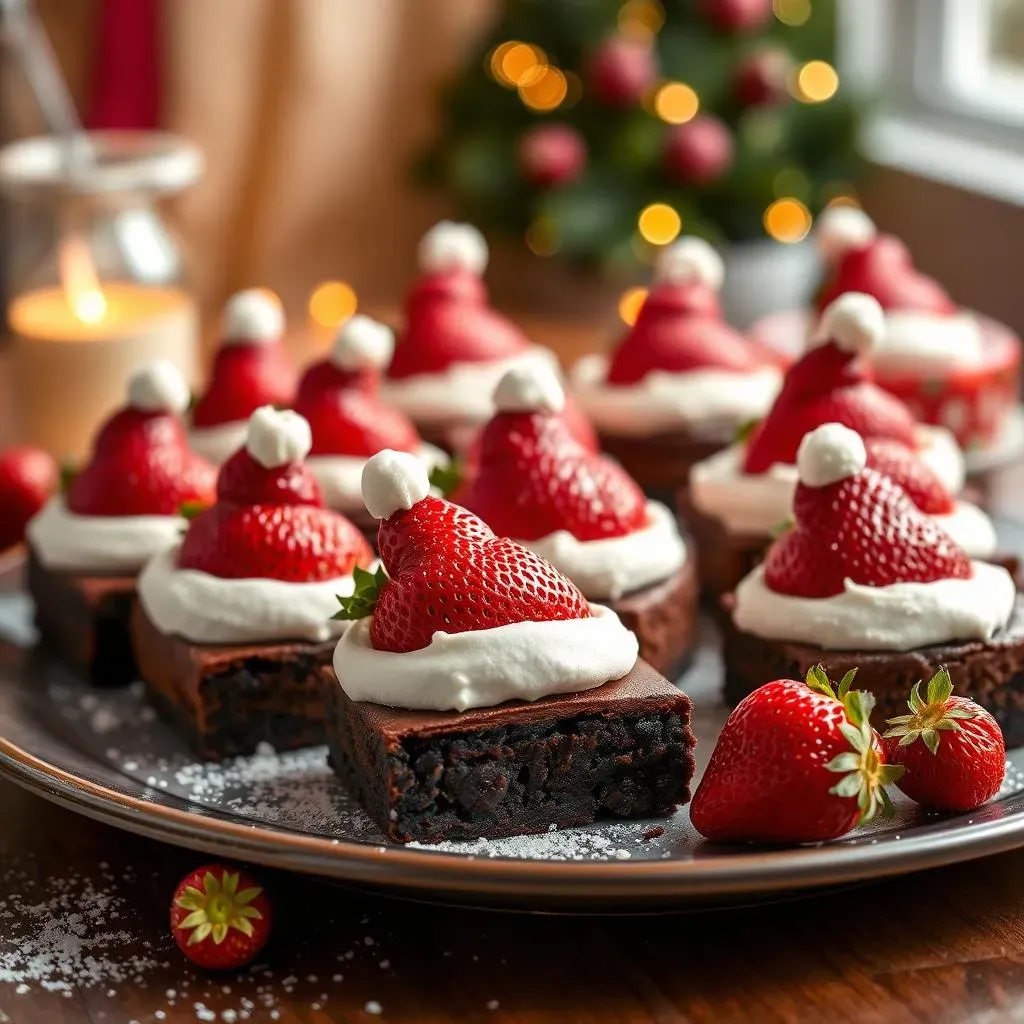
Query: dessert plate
x=104 y=754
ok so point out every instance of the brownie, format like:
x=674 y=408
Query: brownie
x=227 y=699
x=660 y=463
x=85 y=620
x=664 y=618
x=623 y=750
x=991 y=672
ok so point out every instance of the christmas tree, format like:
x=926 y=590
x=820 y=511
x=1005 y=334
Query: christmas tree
x=599 y=129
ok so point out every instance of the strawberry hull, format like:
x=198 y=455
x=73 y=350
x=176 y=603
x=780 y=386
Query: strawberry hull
x=990 y=673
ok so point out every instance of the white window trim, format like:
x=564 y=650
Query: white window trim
x=946 y=114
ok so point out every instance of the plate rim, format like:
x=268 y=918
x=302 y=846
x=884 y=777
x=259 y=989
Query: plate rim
x=757 y=871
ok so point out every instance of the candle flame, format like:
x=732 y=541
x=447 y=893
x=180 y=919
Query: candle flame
x=79 y=280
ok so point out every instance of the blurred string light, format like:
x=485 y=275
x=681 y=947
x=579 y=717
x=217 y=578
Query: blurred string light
x=792 y=12
x=541 y=238
x=331 y=303
x=510 y=62
x=641 y=19
x=659 y=224
x=676 y=103
x=543 y=88
x=630 y=304
x=815 y=82
x=787 y=220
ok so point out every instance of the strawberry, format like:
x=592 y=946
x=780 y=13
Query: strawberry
x=28 y=476
x=140 y=464
x=916 y=477
x=250 y=368
x=447 y=316
x=952 y=749
x=220 y=918
x=797 y=762
x=680 y=326
x=830 y=384
x=445 y=568
x=339 y=396
x=534 y=478
x=855 y=523
x=269 y=521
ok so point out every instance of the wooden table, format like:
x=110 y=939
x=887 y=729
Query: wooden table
x=945 y=945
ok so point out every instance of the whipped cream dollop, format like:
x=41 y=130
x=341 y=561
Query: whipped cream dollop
x=668 y=401
x=253 y=315
x=757 y=503
x=607 y=569
x=971 y=529
x=922 y=343
x=65 y=541
x=218 y=443
x=900 y=617
x=464 y=392
x=486 y=667
x=340 y=476
x=209 y=610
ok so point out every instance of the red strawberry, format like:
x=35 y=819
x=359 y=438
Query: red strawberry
x=830 y=384
x=952 y=749
x=534 y=478
x=680 y=327
x=445 y=569
x=853 y=522
x=269 y=521
x=220 y=918
x=28 y=476
x=797 y=762
x=250 y=368
x=140 y=464
x=447 y=316
x=339 y=396
x=915 y=476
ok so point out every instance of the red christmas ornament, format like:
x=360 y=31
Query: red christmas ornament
x=763 y=77
x=737 y=15
x=552 y=154
x=700 y=151
x=621 y=71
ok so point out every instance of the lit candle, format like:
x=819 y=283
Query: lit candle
x=74 y=347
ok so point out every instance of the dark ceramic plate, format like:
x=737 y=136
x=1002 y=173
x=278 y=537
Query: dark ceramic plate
x=102 y=753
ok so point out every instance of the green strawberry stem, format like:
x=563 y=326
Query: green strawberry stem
x=190 y=509
x=931 y=715
x=68 y=472
x=364 y=597
x=745 y=429
x=445 y=478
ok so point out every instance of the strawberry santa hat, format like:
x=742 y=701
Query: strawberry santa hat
x=250 y=370
x=269 y=520
x=863 y=260
x=448 y=319
x=140 y=463
x=680 y=327
x=832 y=382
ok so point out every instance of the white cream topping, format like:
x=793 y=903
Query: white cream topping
x=530 y=386
x=463 y=392
x=757 y=503
x=451 y=246
x=607 y=569
x=900 y=617
x=253 y=315
x=841 y=228
x=393 y=481
x=278 y=437
x=158 y=387
x=65 y=541
x=340 y=476
x=362 y=343
x=828 y=454
x=209 y=610
x=971 y=529
x=483 y=668
x=690 y=259
x=854 y=321
x=218 y=443
x=667 y=401
x=920 y=343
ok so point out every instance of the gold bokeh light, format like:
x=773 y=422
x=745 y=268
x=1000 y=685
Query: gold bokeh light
x=630 y=304
x=541 y=239
x=641 y=19
x=331 y=303
x=787 y=220
x=517 y=62
x=792 y=12
x=816 y=82
x=659 y=224
x=676 y=103
x=543 y=89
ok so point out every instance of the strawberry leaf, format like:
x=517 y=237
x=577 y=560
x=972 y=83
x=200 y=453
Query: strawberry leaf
x=929 y=716
x=363 y=600
x=745 y=429
x=188 y=510
x=68 y=472
x=445 y=478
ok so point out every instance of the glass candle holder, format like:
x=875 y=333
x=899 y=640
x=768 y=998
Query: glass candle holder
x=104 y=290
